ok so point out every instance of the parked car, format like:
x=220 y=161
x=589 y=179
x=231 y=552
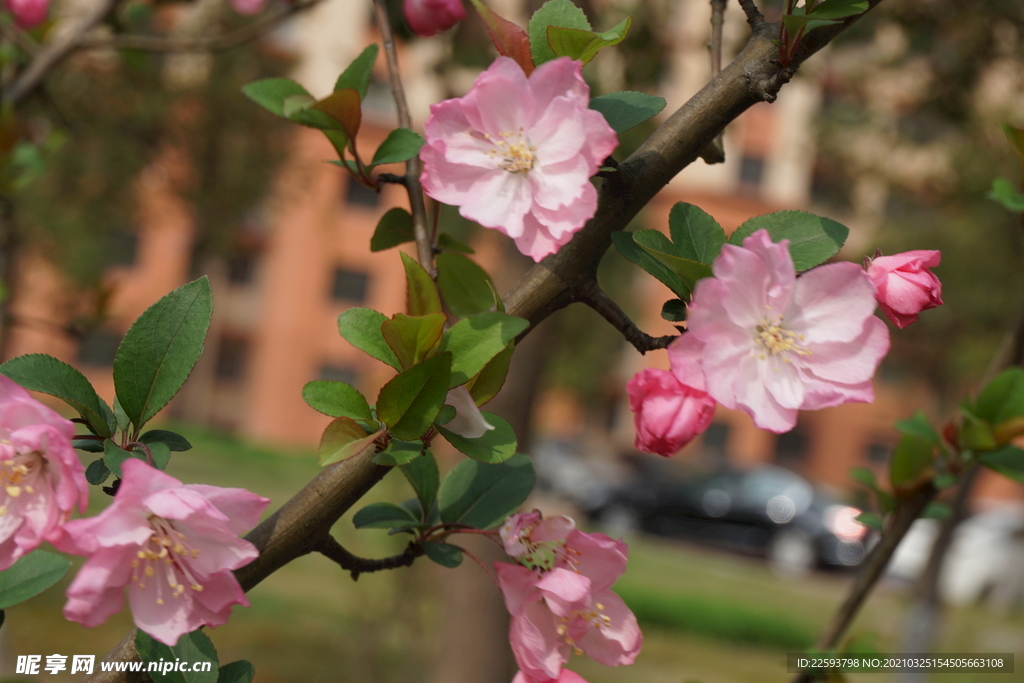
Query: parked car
x=764 y=510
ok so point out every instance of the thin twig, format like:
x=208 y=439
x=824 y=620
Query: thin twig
x=754 y=17
x=18 y=37
x=155 y=43
x=592 y=295
x=413 y=167
x=715 y=46
x=354 y=565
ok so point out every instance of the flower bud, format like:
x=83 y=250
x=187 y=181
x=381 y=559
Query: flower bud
x=28 y=13
x=904 y=286
x=429 y=17
x=668 y=414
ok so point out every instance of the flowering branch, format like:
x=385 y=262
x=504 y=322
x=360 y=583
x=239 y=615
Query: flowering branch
x=413 y=167
x=592 y=295
x=332 y=550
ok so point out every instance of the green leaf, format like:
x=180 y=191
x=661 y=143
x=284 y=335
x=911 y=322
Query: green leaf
x=871 y=520
x=357 y=75
x=399 y=452
x=342 y=439
x=482 y=496
x=937 y=510
x=160 y=349
x=446 y=415
x=491 y=379
x=383 y=516
x=97 y=472
x=975 y=434
x=446 y=242
x=241 y=671
x=30 y=576
x=584 y=45
x=410 y=402
x=862 y=475
x=394 y=228
x=194 y=647
x=838 y=9
x=494 y=446
x=812 y=239
x=114 y=456
x=920 y=426
x=421 y=291
x=159 y=452
x=633 y=252
x=336 y=399
x=465 y=286
x=413 y=338
x=1006 y=194
x=401 y=144
x=552 y=13
x=1015 y=136
x=626 y=109
x=1008 y=461
x=361 y=328
x=674 y=310
x=910 y=459
x=270 y=93
x=1003 y=398
x=40 y=372
x=445 y=554
x=173 y=440
x=296 y=103
x=696 y=235
x=509 y=39
x=476 y=340
x=424 y=477
x=689 y=272
x=794 y=23
x=120 y=417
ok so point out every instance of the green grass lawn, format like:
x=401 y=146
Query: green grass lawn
x=707 y=616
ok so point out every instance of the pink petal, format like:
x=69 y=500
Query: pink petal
x=468 y=421
x=685 y=356
x=518 y=585
x=831 y=303
x=562 y=77
x=241 y=508
x=597 y=557
x=539 y=651
x=563 y=590
x=535 y=240
x=499 y=200
x=850 y=362
x=618 y=642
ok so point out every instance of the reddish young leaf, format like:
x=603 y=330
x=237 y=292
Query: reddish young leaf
x=510 y=39
x=343 y=106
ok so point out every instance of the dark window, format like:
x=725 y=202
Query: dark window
x=242 y=268
x=98 y=348
x=361 y=195
x=349 y=285
x=791 y=449
x=878 y=453
x=751 y=171
x=334 y=373
x=232 y=357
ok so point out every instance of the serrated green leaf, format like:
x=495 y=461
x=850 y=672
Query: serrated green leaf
x=421 y=290
x=296 y=103
x=494 y=446
x=584 y=45
x=1008 y=461
x=383 y=516
x=633 y=252
x=1003 y=398
x=920 y=426
x=696 y=235
x=465 y=286
x=160 y=349
x=399 y=452
x=173 y=440
x=483 y=496
x=194 y=647
x=120 y=417
x=357 y=75
x=446 y=415
x=838 y=9
x=689 y=272
x=270 y=93
x=794 y=23
x=160 y=454
x=626 y=109
x=40 y=372
x=241 y=671
x=476 y=340
x=674 y=310
x=812 y=239
x=413 y=338
x=552 y=13
x=395 y=227
x=445 y=554
x=871 y=520
x=424 y=477
x=30 y=576
x=114 y=456
x=401 y=144
x=1006 y=194
x=361 y=327
x=97 y=472
x=491 y=379
x=343 y=439
x=446 y=242
x=336 y=399
x=410 y=402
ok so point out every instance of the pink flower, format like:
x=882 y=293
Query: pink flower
x=516 y=153
x=28 y=13
x=173 y=545
x=41 y=478
x=904 y=286
x=429 y=17
x=569 y=608
x=525 y=533
x=565 y=677
x=773 y=344
x=667 y=413
x=246 y=7
x=468 y=421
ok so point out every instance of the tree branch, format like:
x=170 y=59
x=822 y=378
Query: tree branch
x=413 y=167
x=592 y=295
x=754 y=16
x=332 y=550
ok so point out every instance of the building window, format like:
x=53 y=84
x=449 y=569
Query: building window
x=335 y=373
x=242 y=267
x=361 y=195
x=99 y=347
x=349 y=285
x=878 y=453
x=232 y=358
x=791 y=449
x=751 y=171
